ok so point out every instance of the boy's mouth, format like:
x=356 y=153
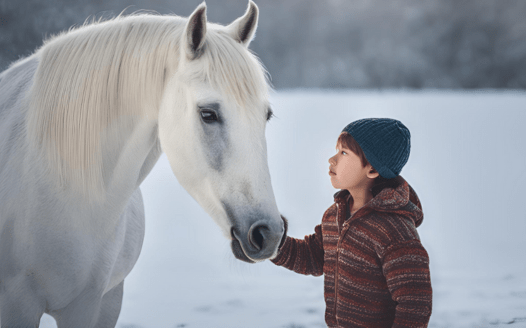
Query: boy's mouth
x=331 y=172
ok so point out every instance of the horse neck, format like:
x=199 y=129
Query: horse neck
x=95 y=104
x=129 y=159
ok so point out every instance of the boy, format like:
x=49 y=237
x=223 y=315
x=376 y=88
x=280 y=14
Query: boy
x=367 y=247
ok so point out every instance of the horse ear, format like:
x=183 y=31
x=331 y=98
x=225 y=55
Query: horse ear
x=195 y=32
x=244 y=28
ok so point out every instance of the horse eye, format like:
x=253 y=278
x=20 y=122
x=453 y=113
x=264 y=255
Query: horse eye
x=208 y=116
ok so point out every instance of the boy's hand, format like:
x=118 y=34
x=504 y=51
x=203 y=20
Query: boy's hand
x=286 y=225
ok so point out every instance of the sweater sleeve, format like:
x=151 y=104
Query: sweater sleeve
x=406 y=269
x=303 y=256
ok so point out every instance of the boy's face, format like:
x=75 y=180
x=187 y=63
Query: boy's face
x=347 y=172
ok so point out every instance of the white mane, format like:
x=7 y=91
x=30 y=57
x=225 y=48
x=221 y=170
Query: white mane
x=89 y=77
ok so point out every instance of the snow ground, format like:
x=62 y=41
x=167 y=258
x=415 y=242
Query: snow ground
x=467 y=166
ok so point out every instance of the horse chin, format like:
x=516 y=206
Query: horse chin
x=238 y=252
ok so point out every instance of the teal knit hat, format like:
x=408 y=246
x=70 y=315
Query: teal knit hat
x=385 y=142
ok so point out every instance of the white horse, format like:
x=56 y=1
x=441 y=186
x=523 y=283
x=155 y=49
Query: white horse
x=83 y=121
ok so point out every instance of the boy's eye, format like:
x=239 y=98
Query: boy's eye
x=344 y=152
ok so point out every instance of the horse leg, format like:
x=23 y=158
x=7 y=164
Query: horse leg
x=19 y=307
x=91 y=310
x=81 y=313
x=110 y=307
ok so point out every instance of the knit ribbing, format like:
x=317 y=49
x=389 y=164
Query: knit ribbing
x=385 y=142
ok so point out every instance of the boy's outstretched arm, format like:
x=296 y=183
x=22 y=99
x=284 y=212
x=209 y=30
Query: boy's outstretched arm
x=406 y=269
x=303 y=256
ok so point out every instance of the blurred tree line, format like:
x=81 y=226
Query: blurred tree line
x=330 y=43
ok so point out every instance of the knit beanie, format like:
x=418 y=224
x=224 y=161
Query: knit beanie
x=385 y=142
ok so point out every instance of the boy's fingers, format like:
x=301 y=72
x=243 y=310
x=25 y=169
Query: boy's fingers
x=286 y=225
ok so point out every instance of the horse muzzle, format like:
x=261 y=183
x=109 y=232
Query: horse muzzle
x=258 y=243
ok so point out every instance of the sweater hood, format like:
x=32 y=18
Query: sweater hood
x=400 y=198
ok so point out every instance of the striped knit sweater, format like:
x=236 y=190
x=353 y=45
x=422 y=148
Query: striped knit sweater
x=376 y=270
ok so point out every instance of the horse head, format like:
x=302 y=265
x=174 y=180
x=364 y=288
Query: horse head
x=212 y=128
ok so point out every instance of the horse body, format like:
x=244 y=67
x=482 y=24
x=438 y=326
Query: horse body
x=76 y=144
x=59 y=247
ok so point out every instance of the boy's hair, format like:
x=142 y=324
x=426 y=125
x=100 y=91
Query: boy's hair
x=347 y=141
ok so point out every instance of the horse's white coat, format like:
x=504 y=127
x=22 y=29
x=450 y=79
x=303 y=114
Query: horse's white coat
x=84 y=120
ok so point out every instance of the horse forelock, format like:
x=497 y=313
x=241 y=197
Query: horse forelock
x=234 y=70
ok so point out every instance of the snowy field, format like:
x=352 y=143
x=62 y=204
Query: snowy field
x=467 y=165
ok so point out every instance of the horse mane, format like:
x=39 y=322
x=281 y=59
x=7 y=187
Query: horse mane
x=89 y=77
x=241 y=76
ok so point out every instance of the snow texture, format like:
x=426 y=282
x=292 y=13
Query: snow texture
x=467 y=166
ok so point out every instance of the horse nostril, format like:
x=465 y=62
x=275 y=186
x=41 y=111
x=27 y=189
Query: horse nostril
x=256 y=236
